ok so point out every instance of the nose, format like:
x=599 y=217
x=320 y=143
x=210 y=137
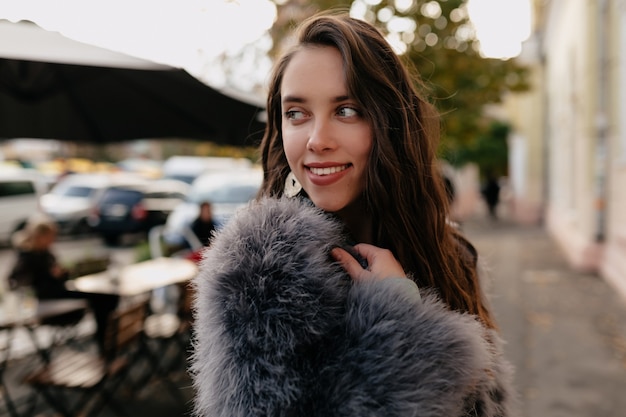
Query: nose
x=321 y=136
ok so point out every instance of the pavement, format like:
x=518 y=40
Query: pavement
x=565 y=331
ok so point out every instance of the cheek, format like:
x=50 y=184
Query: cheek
x=293 y=145
x=362 y=151
x=362 y=148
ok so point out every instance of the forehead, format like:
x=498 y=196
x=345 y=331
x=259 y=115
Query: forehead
x=312 y=67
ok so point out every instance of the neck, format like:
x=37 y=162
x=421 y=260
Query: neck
x=358 y=221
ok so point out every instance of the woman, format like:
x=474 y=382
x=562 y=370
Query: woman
x=37 y=267
x=295 y=319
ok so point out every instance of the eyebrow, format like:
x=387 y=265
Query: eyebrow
x=297 y=99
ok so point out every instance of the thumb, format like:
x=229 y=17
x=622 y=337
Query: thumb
x=347 y=261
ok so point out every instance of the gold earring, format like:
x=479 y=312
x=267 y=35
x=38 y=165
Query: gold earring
x=292 y=186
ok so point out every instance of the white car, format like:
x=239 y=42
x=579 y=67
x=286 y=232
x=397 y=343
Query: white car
x=188 y=168
x=20 y=191
x=226 y=191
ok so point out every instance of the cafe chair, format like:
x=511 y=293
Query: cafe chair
x=57 y=324
x=77 y=382
x=168 y=339
x=64 y=328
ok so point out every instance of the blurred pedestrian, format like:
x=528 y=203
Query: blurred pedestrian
x=491 y=194
x=203 y=225
x=37 y=267
x=343 y=290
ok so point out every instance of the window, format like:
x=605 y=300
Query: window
x=15 y=188
x=78 y=192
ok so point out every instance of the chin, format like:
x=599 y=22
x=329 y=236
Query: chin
x=330 y=205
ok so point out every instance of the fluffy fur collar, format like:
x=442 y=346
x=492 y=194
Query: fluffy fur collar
x=280 y=330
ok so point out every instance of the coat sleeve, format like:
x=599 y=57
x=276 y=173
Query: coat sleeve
x=268 y=300
x=402 y=356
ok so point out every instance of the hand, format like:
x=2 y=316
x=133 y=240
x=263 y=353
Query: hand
x=381 y=263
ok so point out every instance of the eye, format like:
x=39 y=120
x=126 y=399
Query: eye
x=294 y=115
x=347 y=111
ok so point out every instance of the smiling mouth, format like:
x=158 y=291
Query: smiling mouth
x=328 y=170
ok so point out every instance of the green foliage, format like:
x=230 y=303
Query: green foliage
x=292 y=12
x=142 y=251
x=489 y=151
x=441 y=47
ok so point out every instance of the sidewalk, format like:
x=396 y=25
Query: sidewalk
x=565 y=331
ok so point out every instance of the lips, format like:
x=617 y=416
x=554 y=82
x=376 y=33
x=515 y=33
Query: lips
x=327 y=174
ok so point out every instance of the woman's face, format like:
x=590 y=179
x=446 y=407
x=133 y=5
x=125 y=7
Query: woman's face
x=206 y=212
x=44 y=240
x=325 y=137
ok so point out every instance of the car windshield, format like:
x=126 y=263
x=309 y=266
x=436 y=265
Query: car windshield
x=122 y=195
x=228 y=194
x=180 y=177
x=74 y=191
x=165 y=194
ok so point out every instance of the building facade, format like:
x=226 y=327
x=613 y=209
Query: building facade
x=568 y=148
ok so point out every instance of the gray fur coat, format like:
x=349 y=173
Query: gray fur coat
x=280 y=330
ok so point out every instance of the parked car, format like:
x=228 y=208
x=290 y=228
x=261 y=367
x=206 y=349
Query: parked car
x=20 y=191
x=188 y=168
x=137 y=207
x=71 y=200
x=226 y=191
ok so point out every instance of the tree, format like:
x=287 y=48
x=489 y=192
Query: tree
x=490 y=150
x=437 y=39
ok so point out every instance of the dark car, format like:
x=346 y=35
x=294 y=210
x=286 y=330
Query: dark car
x=135 y=208
x=71 y=200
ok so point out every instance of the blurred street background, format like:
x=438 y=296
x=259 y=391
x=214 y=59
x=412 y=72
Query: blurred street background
x=119 y=135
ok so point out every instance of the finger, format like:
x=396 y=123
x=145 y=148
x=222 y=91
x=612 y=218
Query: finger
x=381 y=262
x=366 y=251
x=347 y=261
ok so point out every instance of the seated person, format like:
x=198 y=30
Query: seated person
x=203 y=226
x=37 y=267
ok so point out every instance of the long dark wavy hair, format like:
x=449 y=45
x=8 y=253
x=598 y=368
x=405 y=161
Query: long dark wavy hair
x=404 y=189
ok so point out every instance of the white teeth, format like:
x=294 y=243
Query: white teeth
x=328 y=171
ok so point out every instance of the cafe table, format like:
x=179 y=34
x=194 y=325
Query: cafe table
x=20 y=312
x=138 y=278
